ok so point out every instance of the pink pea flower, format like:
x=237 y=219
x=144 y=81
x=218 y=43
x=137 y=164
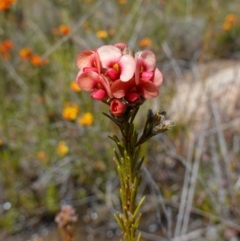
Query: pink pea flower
x=146 y=82
x=146 y=68
x=117 y=65
x=88 y=60
x=146 y=89
x=95 y=83
x=117 y=107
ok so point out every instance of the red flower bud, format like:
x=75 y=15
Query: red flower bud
x=117 y=107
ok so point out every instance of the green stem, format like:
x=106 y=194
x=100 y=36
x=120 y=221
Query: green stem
x=127 y=158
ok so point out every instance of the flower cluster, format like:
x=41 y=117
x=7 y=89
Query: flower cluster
x=115 y=75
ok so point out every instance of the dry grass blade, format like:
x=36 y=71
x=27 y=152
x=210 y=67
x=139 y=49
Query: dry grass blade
x=185 y=188
x=199 y=150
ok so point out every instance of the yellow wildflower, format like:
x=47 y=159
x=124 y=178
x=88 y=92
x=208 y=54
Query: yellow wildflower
x=74 y=87
x=70 y=111
x=86 y=119
x=102 y=34
x=62 y=148
x=145 y=42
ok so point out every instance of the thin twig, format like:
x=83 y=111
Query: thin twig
x=223 y=145
x=12 y=72
x=218 y=177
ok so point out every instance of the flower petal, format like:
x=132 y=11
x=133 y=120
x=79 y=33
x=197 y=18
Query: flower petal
x=148 y=58
x=148 y=89
x=158 y=78
x=108 y=54
x=87 y=80
x=121 y=46
x=99 y=94
x=120 y=89
x=84 y=59
x=128 y=65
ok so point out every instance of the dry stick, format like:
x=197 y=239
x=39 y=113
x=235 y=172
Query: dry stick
x=223 y=146
x=194 y=176
x=135 y=8
x=201 y=181
x=222 y=127
x=138 y=26
x=218 y=175
x=160 y=200
x=19 y=81
x=153 y=237
x=74 y=29
x=236 y=144
x=173 y=62
x=185 y=186
x=189 y=8
x=191 y=235
x=207 y=215
x=39 y=34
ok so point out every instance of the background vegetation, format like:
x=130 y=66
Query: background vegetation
x=54 y=145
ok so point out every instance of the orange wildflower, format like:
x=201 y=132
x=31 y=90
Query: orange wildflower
x=6 y=4
x=226 y=26
x=230 y=21
x=37 y=60
x=5 y=47
x=145 y=42
x=102 y=34
x=231 y=18
x=62 y=30
x=74 y=87
x=25 y=53
x=41 y=155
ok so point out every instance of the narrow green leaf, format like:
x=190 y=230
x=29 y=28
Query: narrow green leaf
x=139 y=206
